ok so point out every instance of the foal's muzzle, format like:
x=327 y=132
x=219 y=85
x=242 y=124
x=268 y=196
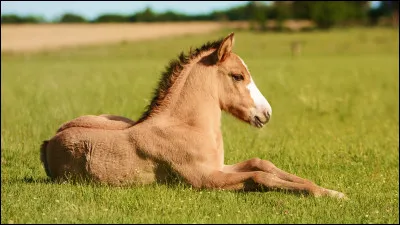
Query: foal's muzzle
x=259 y=119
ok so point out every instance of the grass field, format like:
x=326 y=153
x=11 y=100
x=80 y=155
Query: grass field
x=335 y=122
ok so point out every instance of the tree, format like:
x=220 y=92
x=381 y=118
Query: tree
x=257 y=12
x=111 y=18
x=171 y=16
x=15 y=19
x=328 y=13
x=302 y=9
x=72 y=18
x=357 y=11
x=11 y=18
x=390 y=9
x=237 y=13
x=218 y=16
x=283 y=11
x=385 y=9
x=146 y=16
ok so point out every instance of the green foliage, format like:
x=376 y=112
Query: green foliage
x=257 y=12
x=335 y=121
x=242 y=13
x=12 y=18
x=72 y=18
x=15 y=19
x=325 y=14
x=146 y=16
x=302 y=9
x=283 y=10
x=358 y=10
x=111 y=18
x=172 y=16
x=216 y=16
x=385 y=9
x=329 y=13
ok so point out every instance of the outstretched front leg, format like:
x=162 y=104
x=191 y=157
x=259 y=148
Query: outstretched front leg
x=252 y=180
x=257 y=164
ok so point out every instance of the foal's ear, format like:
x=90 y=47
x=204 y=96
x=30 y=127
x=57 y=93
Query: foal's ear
x=226 y=47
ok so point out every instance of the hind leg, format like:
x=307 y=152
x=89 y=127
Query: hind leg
x=63 y=163
x=104 y=121
x=118 y=118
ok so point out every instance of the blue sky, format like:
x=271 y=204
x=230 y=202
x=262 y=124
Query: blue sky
x=52 y=9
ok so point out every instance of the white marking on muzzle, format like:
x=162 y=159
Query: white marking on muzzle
x=259 y=100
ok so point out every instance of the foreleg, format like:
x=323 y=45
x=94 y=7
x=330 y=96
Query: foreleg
x=257 y=164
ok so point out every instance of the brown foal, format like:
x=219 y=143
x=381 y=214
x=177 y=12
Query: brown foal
x=179 y=135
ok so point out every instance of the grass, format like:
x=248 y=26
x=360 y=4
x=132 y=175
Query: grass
x=335 y=121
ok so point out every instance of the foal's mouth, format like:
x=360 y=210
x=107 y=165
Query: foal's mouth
x=260 y=120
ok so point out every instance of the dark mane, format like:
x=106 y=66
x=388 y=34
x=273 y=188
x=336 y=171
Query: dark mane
x=172 y=71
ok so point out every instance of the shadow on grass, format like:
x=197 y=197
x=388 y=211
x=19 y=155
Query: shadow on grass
x=31 y=180
x=173 y=184
x=45 y=180
x=27 y=180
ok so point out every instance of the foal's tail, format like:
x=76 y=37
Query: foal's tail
x=43 y=156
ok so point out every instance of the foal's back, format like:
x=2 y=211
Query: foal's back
x=104 y=121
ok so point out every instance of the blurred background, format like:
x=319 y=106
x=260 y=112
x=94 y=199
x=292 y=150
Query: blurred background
x=268 y=15
x=261 y=16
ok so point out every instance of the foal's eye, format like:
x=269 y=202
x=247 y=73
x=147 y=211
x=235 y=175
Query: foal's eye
x=237 y=77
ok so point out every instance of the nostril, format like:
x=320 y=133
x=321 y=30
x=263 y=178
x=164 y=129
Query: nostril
x=267 y=114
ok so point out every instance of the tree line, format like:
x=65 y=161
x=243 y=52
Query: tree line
x=325 y=14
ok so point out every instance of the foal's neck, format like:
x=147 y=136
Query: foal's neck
x=192 y=102
x=193 y=98
x=196 y=104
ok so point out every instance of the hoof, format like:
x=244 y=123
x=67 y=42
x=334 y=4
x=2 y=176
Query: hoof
x=337 y=194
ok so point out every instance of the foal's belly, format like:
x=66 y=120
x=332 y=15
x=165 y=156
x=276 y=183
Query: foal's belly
x=104 y=156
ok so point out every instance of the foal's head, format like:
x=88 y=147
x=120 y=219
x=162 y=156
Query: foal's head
x=238 y=94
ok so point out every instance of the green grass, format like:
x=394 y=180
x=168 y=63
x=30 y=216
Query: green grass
x=335 y=121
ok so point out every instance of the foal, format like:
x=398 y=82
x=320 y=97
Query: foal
x=104 y=121
x=179 y=135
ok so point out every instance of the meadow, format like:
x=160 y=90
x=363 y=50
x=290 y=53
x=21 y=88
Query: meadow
x=335 y=121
